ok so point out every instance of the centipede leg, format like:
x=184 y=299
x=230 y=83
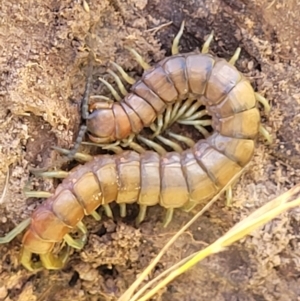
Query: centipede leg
x=235 y=56
x=58 y=174
x=25 y=260
x=157 y=128
x=264 y=102
x=16 y=231
x=202 y=130
x=84 y=112
x=189 y=142
x=37 y=194
x=205 y=47
x=130 y=80
x=228 y=196
x=176 y=147
x=142 y=214
x=139 y=58
x=168 y=217
x=96 y=215
x=158 y=148
x=176 y=40
x=52 y=262
x=119 y=82
x=122 y=210
x=107 y=211
x=265 y=134
x=111 y=89
x=77 y=243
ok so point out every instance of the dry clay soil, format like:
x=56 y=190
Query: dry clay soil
x=44 y=48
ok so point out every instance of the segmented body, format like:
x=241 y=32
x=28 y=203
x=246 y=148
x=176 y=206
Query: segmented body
x=173 y=180
x=214 y=82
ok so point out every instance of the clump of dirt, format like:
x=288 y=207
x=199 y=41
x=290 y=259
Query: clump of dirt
x=43 y=65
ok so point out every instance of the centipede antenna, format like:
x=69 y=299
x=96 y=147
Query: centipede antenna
x=37 y=194
x=119 y=82
x=264 y=102
x=84 y=109
x=80 y=136
x=130 y=80
x=205 y=47
x=235 y=56
x=175 y=49
x=111 y=89
x=188 y=141
x=139 y=58
x=176 y=147
x=16 y=231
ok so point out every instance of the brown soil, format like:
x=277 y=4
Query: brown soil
x=43 y=74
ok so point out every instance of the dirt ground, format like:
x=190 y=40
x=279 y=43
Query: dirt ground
x=43 y=74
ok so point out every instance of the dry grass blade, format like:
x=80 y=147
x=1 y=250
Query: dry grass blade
x=130 y=291
x=240 y=230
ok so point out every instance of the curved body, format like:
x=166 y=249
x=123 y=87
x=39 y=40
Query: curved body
x=174 y=180
x=228 y=97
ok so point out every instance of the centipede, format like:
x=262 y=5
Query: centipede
x=173 y=180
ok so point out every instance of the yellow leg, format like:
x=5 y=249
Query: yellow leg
x=265 y=134
x=158 y=148
x=119 y=82
x=188 y=141
x=53 y=262
x=175 y=44
x=108 y=211
x=25 y=260
x=235 y=56
x=130 y=80
x=111 y=89
x=205 y=46
x=176 y=147
x=264 y=102
x=139 y=59
x=16 y=231
x=142 y=214
x=228 y=196
x=168 y=217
